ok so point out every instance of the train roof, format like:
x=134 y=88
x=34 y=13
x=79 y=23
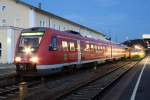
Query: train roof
x=35 y=29
x=69 y=33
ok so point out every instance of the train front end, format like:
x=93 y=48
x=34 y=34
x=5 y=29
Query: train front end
x=26 y=56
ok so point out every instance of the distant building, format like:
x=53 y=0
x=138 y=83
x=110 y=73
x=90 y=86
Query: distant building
x=16 y=15
x=146 y=36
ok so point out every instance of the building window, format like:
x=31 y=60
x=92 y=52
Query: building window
x=64 y=45
x=64 y=29
x=3 y=8
x=54 y=26
x=3 y=22
x=49 y=23
x=42 y=23
x=59 y=28
x=18 y=22
x=0 y=49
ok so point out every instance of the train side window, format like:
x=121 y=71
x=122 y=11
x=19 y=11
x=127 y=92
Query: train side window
x=98 y=47
x=101 y=47
x=0 y=49
x=95 y=47
x=64 y=45
x=53 y=45
x=92 y=47
x=72 y=46
x=104 y=48
x=87 y=48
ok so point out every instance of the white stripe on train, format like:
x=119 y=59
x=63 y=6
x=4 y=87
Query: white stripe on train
x=67 y=64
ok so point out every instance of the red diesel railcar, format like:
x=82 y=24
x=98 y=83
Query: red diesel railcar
x=41 y=51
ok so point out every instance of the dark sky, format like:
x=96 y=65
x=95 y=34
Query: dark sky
x=120 y=19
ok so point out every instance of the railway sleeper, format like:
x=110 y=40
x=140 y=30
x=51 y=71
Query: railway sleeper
x=3 y=98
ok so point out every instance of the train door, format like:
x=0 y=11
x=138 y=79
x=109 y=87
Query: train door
x=79 y=51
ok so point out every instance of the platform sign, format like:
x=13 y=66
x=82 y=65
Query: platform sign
x=146 y=36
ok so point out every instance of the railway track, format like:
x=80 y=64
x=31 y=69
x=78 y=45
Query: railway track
x=62 y=88
x=10 y=84
x=12 y=91
x=8 y=79
x=93 y=89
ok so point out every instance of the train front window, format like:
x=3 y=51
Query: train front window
x=30 y=40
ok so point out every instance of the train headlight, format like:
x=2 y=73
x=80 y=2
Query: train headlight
x=28 y=50
x=34 y=59
x=18 y=59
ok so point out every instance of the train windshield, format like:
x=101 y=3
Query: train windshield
x=31 y=40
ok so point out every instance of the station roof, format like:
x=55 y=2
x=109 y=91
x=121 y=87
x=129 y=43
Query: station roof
x=146 y=36
x=58 y=17
x=143 y=42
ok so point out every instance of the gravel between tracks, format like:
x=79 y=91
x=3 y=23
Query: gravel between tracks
x=93 y=89
x=55 y=88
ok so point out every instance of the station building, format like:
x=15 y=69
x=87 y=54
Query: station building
x=16 y=15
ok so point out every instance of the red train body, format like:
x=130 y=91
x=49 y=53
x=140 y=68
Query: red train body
x=43 y=50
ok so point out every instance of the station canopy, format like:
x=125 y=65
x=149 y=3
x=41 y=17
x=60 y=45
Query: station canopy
x=146 y=36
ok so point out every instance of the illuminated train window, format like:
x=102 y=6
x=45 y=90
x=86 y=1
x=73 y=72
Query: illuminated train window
x=98 y=48
x=87 y=48
x=92 y=46
x=95 y=47
x=65 y=45
x=0 y=49
x=72 y=46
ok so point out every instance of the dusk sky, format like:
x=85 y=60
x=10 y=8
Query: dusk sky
x=120 y=19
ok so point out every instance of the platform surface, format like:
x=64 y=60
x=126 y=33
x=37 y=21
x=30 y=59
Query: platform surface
x=7 y=69
x=135 y=85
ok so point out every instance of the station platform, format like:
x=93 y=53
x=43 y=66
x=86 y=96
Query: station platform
x=135 y=85
x=6 y=69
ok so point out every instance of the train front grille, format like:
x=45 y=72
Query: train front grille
x=27 y=68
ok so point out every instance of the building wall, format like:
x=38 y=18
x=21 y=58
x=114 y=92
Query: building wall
x=3 y=41
x=8 y=40
x=43 y=20
x=14 y=14
x=18 y=15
